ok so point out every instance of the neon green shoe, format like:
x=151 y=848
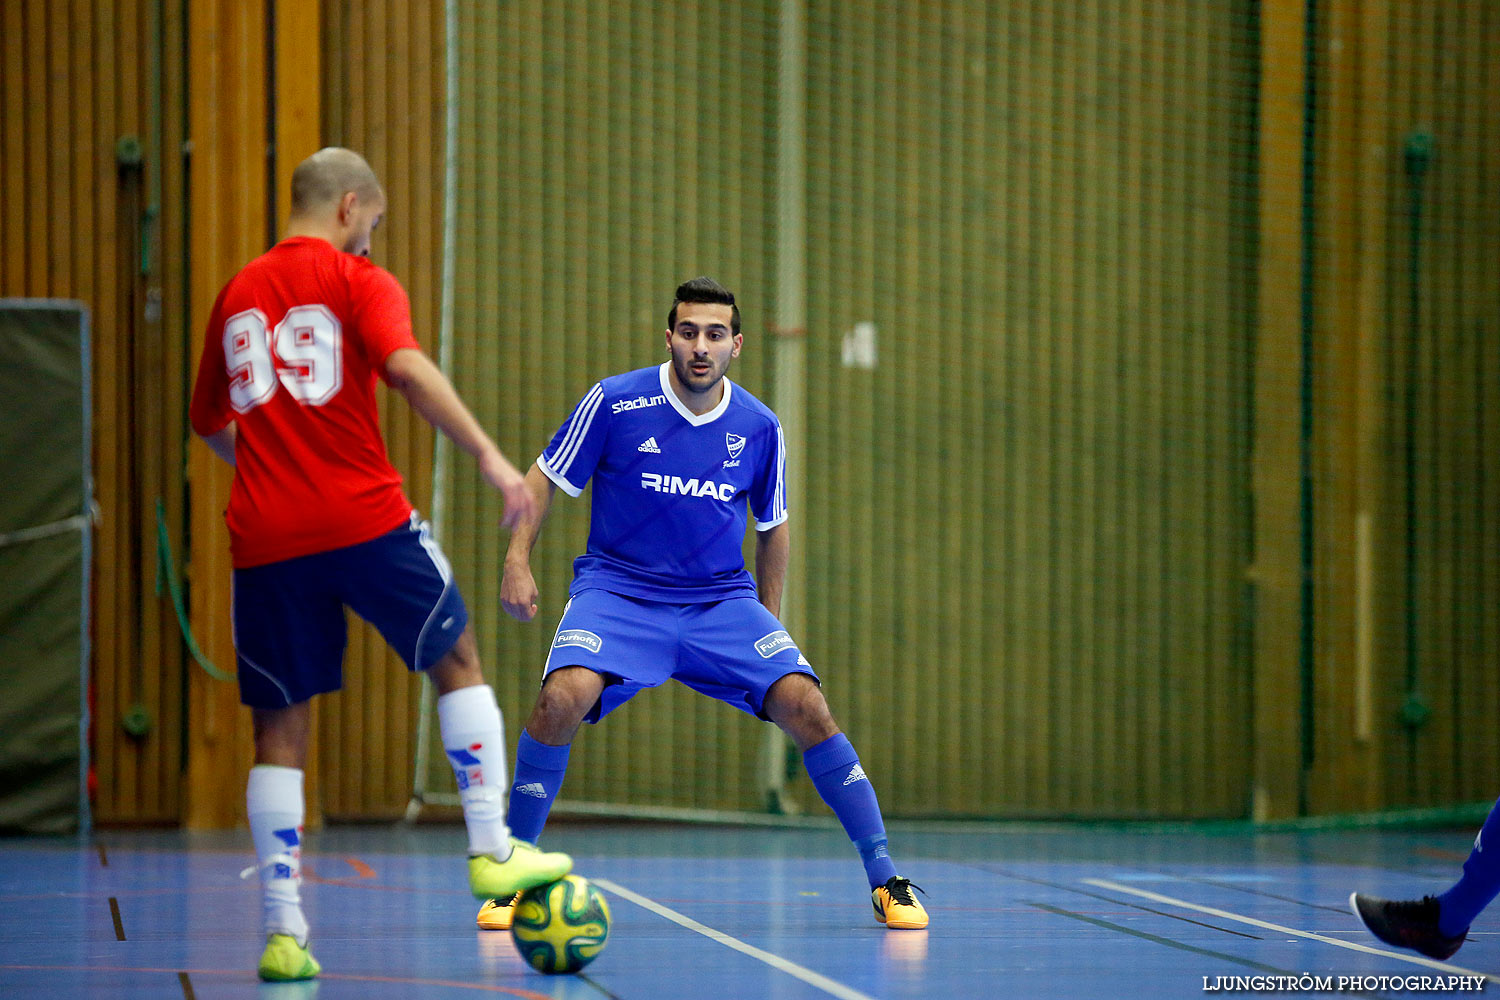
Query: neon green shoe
x=285 y=961
x=526 y=867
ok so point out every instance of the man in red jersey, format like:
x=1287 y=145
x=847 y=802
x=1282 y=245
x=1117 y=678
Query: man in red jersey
x=317 y=521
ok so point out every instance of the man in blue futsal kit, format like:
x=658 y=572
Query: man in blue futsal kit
x=1437 y=925
x=679 y=456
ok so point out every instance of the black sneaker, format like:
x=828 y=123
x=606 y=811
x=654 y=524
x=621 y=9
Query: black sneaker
x=1412 y=924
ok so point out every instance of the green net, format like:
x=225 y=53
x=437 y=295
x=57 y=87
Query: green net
x=1070 y=318
x=45 y=530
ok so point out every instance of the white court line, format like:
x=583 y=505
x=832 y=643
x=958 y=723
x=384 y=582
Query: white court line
x=791 y=968
x=1226 y=915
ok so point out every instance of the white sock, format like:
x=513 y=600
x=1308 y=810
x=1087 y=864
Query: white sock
x=273 y=799
x=474 y=740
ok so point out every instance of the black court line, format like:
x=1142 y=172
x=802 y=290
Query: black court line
x=1181 y=946
x=1340 y=910
x=1248 y=963
x=596 y=986
x=187 y=986
x=114 y=911
x=1114 y=901
x=103 y=858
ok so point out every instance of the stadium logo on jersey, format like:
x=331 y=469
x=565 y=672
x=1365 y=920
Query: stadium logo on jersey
x=650 y=446
x=638 y=403
x=769 y=645
x=687 y=487
x=579 y=637
x=735 y=443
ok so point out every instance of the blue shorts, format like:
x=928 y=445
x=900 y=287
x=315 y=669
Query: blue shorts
x=289 y=632
x=732 y=650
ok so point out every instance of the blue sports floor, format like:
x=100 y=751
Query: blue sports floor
x=729 y=913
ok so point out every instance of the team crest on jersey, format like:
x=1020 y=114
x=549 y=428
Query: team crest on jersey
x=736 y=444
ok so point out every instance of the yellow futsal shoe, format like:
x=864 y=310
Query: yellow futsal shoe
x=526 y=867
x=495 y=915
x=284 y=960
x=896 y=907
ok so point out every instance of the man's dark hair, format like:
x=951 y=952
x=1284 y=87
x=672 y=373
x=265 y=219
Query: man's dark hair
x=704 y=290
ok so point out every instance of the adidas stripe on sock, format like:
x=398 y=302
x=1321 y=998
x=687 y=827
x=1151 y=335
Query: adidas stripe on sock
x=540 y=770
x=840 y=779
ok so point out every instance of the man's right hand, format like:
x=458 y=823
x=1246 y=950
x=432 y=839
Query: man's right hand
x=518 y=594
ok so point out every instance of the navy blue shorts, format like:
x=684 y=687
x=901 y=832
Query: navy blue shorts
x=289 y=632
x=732 y=650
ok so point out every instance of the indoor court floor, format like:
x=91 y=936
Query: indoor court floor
x=725 y=913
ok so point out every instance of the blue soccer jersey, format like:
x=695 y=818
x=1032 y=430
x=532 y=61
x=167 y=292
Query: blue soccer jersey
x=672 y=489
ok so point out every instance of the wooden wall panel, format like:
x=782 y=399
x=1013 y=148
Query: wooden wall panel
x=1038 y=496
x=227 y=194
x=1276 y=570
x=1056 y=530
x=1075 y=292
x=390 y=109
x=77 y=78
x=570 y=244
x=1351 y=230
x=1437 y=579
x=1059 y=401
x=244 y=147
x=1402 y=664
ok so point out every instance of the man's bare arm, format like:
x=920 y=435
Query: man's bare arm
x=772 y=548
x=518 y=593
x=427 y=389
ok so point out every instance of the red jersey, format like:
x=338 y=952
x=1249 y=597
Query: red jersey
x=293 y=348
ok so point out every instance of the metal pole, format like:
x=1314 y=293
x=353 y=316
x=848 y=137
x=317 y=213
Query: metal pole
x=790 y=328
x=85 y=650
x=441 y=448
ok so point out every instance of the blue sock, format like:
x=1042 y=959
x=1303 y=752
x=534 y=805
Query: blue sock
x=1480 y=881
x=539 y=776
x=837 y=775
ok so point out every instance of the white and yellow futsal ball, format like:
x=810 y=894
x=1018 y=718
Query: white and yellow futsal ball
x=561 y=926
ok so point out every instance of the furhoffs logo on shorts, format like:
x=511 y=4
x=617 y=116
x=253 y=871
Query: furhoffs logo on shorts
x=768 y=646
x=579 y=637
